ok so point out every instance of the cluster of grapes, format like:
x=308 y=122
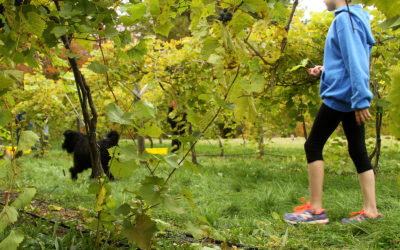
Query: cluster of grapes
x=225 y=16
x=18 y=3
x=1 y=12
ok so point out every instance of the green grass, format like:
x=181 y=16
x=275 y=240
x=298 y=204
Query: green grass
x=244 y=198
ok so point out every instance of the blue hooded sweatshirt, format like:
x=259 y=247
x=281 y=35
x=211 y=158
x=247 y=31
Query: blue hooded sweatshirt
x=345 y=78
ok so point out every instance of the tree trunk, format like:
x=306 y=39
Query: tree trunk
x=141 y=142
x=42 y=144
x=140 y=139
x=305 y=128
x=261 y=141
x=151 y=142
x=378 y=141
x=160 y=140
x=78 y=124
x=378 y=125
x=221 y=146
x=193 y=147
x=378 y=144
x=85 y=98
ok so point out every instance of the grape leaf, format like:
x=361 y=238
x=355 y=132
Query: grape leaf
x=115 y=114
x=154 y=7
x=24 y=198
x=98 y=67
x=189 y=197
x=257 y=83
x=152 y=130
x=110 y=31
x=36 y=24
x=5 y=118
x=191 y=166
x=245 y=109
x=13 y=240
x=124 y=209
x=137 y=11
x=149 y=189
x=100 y=199
x=16 y=75
x=5 y=81
x=196 y=9
x=142 y=232
x=171 y=204
x=164 y=29
x=393 y=23
x=209 y=46
x=391 y=8
x=171 y=160
x=215 y=59
x=59 y=31
x=27 y=140
x=144 y=110
x=137 y=52
x=303 y=64
x=394 y=109
x=123 y=169
x=241 y=21
x=8 y=216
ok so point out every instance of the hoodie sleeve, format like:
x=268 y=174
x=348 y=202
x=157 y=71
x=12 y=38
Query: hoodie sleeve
x=356 y=60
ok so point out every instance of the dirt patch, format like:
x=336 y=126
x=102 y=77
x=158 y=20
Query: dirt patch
x=49 y=211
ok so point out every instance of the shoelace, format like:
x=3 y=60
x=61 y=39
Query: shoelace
x=357 y=214
x=306 y=205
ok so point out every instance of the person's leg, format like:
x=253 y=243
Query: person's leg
x=316 y=182
x=325 y=123
x=358 y=152
x=367 y=182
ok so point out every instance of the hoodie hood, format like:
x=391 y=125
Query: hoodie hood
x=363 y=16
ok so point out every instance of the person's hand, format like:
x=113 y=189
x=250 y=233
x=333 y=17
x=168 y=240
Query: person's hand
x=362 y=115
x=316 y=71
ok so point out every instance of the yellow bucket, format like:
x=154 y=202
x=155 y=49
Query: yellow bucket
x=157 y=151
x=9 y=149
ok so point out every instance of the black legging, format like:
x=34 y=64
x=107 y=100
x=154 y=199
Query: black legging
x=325 y=123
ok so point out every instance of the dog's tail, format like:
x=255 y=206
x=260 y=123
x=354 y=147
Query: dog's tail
x=113 y=137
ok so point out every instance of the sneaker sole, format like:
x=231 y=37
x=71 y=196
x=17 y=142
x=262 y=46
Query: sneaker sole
x=360 y=221
x=314 y=222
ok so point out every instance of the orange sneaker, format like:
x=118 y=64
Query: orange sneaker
x=359 y=217
x=306 y=214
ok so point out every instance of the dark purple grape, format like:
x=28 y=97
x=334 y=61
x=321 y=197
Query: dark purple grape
x=221 y=18
x=18 y=3
x=226 y=10
x=1 y=12
x=228 y=17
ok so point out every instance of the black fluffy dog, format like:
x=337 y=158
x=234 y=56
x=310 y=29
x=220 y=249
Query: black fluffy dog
x=78 y=144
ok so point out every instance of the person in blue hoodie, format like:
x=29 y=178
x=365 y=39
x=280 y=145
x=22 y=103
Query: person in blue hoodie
x=344 y=89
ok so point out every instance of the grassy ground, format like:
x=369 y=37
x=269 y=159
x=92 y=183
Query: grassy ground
x=244 y=198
